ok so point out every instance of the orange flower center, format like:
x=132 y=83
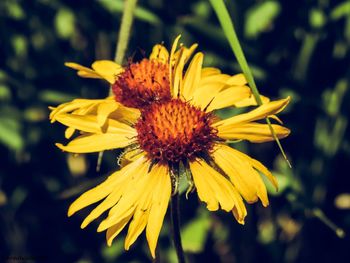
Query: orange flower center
x=143 y=83
x=175 y=131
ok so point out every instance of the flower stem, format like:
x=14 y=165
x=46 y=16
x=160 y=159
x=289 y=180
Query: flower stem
x=175 y=223
x=230 y=33
x=122 y=43
x=125 y=28
x=318 y=213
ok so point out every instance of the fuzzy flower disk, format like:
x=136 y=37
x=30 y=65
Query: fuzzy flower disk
x=175 y=131
x=143 y=83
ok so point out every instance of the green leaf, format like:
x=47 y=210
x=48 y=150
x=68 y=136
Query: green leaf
x=52 y=96
x=110 y=254
x=115 y=6
x=19 y=44
x=260 y=17
x=317 y=18
x=203 y=27
x=201 y=9
x=64 y=23
x=5 y=93
x=35 y=114
x=195 y=233
x=10 y=134
x=341 y=10
x=267 y=232
x=14 y=10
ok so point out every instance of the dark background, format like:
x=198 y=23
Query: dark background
x=297 y=48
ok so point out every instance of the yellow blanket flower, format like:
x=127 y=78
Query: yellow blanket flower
x=165 y=115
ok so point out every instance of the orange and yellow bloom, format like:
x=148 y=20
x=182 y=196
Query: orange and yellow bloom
x=162 y=113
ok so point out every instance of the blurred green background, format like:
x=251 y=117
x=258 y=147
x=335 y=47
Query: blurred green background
x=297 y=48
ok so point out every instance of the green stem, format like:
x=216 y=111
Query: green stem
x=175 y=223
x=125 y=28
x=122 y=43
x=230 y=33
x=318 y=213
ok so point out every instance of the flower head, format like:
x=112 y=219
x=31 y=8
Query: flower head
x=175 y=131
x=175 y=125
x=142 y=84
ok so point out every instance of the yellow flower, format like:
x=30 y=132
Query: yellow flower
x=176 y=127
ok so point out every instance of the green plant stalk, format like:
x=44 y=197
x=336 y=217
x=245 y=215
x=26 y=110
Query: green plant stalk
x=318 y=213
x=230 y=33
x=175 y=227
x=125 y=28
x=122 y=43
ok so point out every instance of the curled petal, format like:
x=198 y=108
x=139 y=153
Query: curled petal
x=159 y=53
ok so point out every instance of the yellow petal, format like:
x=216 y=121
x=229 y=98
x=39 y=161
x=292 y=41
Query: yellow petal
x=237 y=80
x=240 y=212
x=104 y=110
x=172 y=60
x=189 y=51
x=89 y=123
x=125 y=114
x=204 y=190
x=245 y=182
x=107 y=69
x=228 y=97
x=98 y=142
x=106 y=204
x=142 y=210
x=251 y=101
x=85 y=74
x=114 y=230
x=276 y=119
x=69 y=132
x=212 y=187
x=132 y=194
x=214 y=79
x=80 y=106
x=82 y=123
x=160 y=201
x=260 y=167
x=160 y=53
x=253 y=132
x=179 y=65
x=203 y=96
x=71 y=106
x=241 y=173
x=137 y=225
x=261 y=112
x=177 y=61
x=83 y=71
x=119 y=183
x=209 y=72
x=94 y=195
x=192 y=76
